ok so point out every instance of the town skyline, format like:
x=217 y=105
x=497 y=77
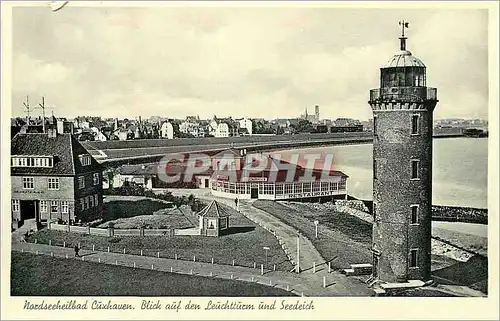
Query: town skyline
x=109 y=61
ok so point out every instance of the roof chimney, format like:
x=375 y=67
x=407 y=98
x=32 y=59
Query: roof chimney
x=52 y=132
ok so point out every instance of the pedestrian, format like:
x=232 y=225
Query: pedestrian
x=76 y=251
x=236 y=203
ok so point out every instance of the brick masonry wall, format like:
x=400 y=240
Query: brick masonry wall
x=92 y=213
x=394 y=192
x=40 y=191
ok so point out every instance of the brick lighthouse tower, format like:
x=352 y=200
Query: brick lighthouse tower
x=402 y=168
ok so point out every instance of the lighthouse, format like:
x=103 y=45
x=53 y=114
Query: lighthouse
x=402 y=168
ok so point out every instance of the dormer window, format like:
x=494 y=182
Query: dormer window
x=85 y=159
x=32 y=161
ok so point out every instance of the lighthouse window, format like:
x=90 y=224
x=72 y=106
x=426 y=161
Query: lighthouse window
x=415 y=128
x=375 y=126
x=415 y=164
x=413 y=258
x=414 y=214
x=374 y=169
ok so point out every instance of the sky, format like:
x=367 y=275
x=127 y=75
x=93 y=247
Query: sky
x=266 y=62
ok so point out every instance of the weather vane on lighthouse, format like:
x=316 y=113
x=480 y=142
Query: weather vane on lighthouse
x=403 y=24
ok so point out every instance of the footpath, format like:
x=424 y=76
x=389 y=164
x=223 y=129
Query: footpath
x=302 y=284
x=311 y=262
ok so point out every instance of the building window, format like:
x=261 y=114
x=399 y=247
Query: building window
x=279 y=189
x=43 y=206
x=375 y=169
x=53 y=207
x=96 y=199
x=53 y=183
x=414 y=214
x=374 y=211
x=316 y=186
x=413 y=258
x=415 y=128
x=85 y=203
x=223 y=224
x=297 y=188
x=334 y=186
x=31 y=161
x=415 y=166
x=85 y=160
x=82 y=204
x=241 y=188
x=28 y=183
x=81 y=182
x=375 y=126
x=91 y=200
x=95 y=178
x=288 y=188
x=15 y=205
x=64 y=207
x=342 y=184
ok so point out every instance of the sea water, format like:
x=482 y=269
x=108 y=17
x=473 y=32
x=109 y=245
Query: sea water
x=460 y=170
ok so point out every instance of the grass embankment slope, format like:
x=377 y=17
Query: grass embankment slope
x=347 y=239
x=342 y=238
x=145 y=213
x=33 y=275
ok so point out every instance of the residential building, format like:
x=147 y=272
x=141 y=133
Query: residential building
x=222 y=130
x=141 y=174
x=53 y=177
x=246 y=125
x=167 y=130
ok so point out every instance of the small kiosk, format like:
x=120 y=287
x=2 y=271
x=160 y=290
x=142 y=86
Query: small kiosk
x=214 y=220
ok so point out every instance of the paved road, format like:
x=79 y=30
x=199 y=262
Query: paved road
x=306 y=284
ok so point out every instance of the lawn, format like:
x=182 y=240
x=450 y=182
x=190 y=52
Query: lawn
x=343 y=239
x=33 y=275
x=244 y=244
